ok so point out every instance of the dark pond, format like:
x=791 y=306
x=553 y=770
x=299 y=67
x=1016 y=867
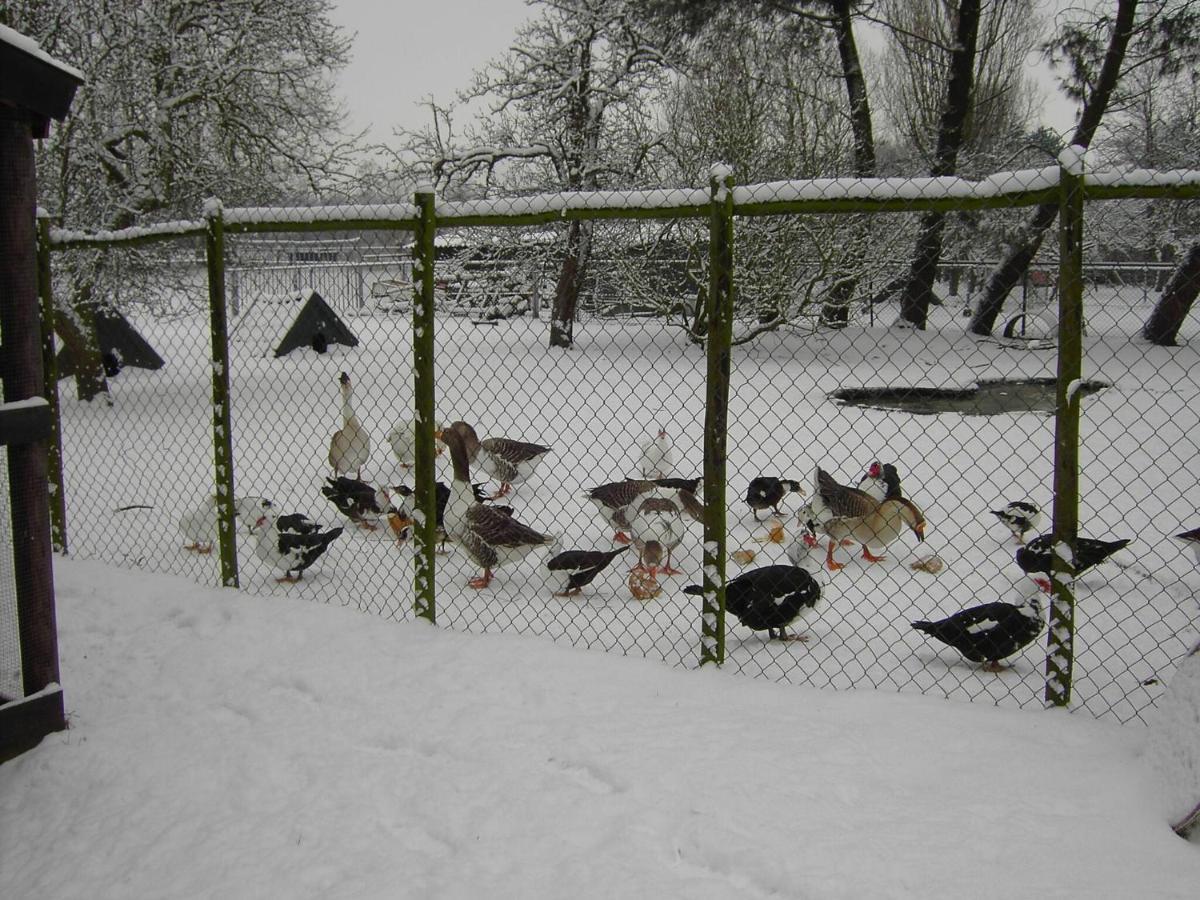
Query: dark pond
x=987 y=398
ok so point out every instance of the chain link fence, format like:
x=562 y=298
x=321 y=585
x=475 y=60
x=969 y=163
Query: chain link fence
x=607 y=328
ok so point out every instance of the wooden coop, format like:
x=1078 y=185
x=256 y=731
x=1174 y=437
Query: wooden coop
x=34 y=88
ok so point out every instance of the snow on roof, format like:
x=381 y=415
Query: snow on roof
x=28 y=45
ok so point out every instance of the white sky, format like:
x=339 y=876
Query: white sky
x=406 y=51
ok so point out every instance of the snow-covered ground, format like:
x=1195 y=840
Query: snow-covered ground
x=248 y=745
x=595 y=404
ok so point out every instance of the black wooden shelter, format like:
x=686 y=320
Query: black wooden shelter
x=121 y=345
x=34 y=88
x=316 y=326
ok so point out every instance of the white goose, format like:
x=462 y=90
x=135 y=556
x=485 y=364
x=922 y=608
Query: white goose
x=503 y=459
x=403 y=438
x=199 y=526
x=491 y=537
x=350 y=446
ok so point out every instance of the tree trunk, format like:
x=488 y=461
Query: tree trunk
x=918 y=289
x=1012 y=268
x=1176 y=302
x=835 y=313
x=566 y=293
x=76 y=328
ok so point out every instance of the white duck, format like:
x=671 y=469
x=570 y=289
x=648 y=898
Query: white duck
x=657 y=456
x=505 y=460
x=491 y=537
x=350 y=446
x=199 y=526
x=403 y=438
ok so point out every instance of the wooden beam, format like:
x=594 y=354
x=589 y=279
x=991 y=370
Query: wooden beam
x=24 y=424
x=23 y=723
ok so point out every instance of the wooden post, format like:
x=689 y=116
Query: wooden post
x=54 y=460
x=221 y=418
x=719 y=313
x=1060 y=645
x=425 y=529
x=21 y=370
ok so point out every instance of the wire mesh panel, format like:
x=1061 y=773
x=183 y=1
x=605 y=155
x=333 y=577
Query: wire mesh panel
x=624 y=401
x=573 y=354
x=138 y=455
x=11 y=686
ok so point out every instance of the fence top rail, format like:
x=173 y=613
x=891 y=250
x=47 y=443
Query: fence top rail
x=1017 y=186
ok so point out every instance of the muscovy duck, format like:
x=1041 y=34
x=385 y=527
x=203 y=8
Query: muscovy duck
x=771 y=598
x=290 y=543
x=1021 y=517
x=580 y=567
x=767 y=492
x=1035 y=557
x=994 y=631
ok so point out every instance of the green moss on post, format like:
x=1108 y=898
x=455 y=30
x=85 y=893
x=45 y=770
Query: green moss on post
x=221 y=419
x=1060 y=645
x=719 y=312
x=425 y=529
x=54 y=464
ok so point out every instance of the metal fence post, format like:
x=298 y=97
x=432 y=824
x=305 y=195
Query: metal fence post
x=1060 y=645
x=54 y=462
x=719 y=311
x=221 y=418
x=425 y=529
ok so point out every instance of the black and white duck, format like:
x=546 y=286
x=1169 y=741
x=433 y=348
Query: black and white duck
x=290 y=543
x=615 y=500
x=771 y=598
x=881 y=481
x=360 y=502
x=994 y=631
x=505 y=460
x=1035 y=557
x=767 y=492
x=580 y=567
x=1020 y=517
x=490 y=537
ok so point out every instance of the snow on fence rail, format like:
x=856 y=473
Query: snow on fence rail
x=670 y=363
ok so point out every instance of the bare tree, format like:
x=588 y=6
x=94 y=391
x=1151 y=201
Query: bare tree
x=567 y=110
x=182 y=100
x=1100 y=54
x=918 y=288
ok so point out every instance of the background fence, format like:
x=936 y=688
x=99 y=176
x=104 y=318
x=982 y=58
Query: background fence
x=665 y=335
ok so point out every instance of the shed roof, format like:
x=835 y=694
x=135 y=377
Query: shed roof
x=32 y=80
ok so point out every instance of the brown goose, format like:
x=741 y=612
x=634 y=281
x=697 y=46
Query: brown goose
x=615 y=500
x=350 y=446
x=506 y=460
x=657 y=524
x=847 y=515
x=490 y=537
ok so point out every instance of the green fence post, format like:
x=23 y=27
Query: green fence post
x=221 y=418
x=719 y=303
x=425 y=529
x=1060 y=645
x=54 y=463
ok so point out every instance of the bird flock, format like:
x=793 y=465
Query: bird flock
x=650 y=514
